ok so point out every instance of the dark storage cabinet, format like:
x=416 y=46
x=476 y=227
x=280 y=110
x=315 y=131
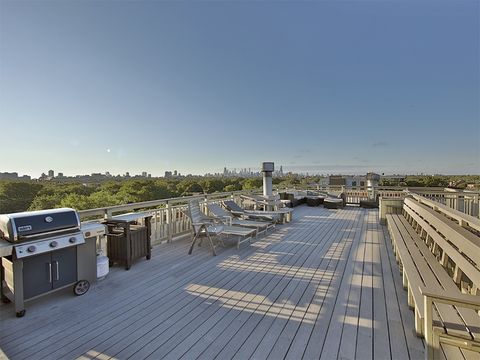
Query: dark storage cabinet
x=50 y=271
x=127 y=240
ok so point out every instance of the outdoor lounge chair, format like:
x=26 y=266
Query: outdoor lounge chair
x=333 y=203
x=279 y=206
x=260 y=201
x=236 y=210
x=230 y=219
x=205 y=225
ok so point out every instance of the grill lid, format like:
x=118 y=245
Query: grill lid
x=25 y=225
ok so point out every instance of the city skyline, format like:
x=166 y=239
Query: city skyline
x=52 y=174
x=299 y=169
x=327 y=87
x=225 y=172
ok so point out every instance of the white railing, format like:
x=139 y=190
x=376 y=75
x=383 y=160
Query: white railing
x=353 y=194
x=464 y=201
x=168 y=219
x=460 y=217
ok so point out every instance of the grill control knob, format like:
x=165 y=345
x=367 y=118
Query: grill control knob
x=53 y=244
x=72 y=240
x=31 y=249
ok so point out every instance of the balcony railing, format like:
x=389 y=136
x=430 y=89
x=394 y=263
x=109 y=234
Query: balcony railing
x=462 y=200
x=168 y=220
x=465 y=201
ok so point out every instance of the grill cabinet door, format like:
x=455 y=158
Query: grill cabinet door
x=64 y=266
x=37 y=275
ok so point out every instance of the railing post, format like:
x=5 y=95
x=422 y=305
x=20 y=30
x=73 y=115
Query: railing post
x=205 y=209
x=154 y=228
x=169 y=221
x=428 y=328
x=444 y=260
x=434 y=247
x=474 y=206
x=107 y=214
x=457 y=275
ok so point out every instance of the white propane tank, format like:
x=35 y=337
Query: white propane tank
x=102 y=266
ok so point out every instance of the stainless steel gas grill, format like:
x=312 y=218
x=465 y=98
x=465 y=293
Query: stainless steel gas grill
x=49 y=252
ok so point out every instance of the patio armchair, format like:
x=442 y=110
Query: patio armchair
x=210 y=226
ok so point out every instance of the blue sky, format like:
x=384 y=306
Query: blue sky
x=319 y=86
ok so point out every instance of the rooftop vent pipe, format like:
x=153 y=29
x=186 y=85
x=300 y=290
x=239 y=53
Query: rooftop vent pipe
x=267 y=169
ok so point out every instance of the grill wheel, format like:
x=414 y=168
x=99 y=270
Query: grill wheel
x=81 y=287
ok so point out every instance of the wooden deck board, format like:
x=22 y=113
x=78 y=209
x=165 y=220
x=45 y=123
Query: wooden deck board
x=329 y=349
x=276 y=345
x=350 y=321
x=160 y=349
x=364 y=347
x=381 y=334
x=325 y=285
x=320 y=308
x=396 y=330
x=257 y=328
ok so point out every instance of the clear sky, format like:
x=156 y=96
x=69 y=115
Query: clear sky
x=325 y=86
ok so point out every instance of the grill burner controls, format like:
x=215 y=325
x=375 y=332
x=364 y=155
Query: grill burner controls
x=42 y=246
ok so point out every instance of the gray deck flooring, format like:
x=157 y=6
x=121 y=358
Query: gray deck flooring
x=323 y=286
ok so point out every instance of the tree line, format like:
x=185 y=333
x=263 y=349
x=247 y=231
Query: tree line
x=454 y=181
x=32 y=195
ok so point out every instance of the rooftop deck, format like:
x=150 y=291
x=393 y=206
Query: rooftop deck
x=325 y=285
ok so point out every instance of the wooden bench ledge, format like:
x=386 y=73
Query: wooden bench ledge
x=421 y=267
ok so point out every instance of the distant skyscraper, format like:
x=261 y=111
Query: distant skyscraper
x=144 y=174
x=175 y=173
x=51 y=173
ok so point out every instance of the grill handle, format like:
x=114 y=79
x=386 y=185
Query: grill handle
x=49 y=233
x=49 y=272
x=57 y=275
